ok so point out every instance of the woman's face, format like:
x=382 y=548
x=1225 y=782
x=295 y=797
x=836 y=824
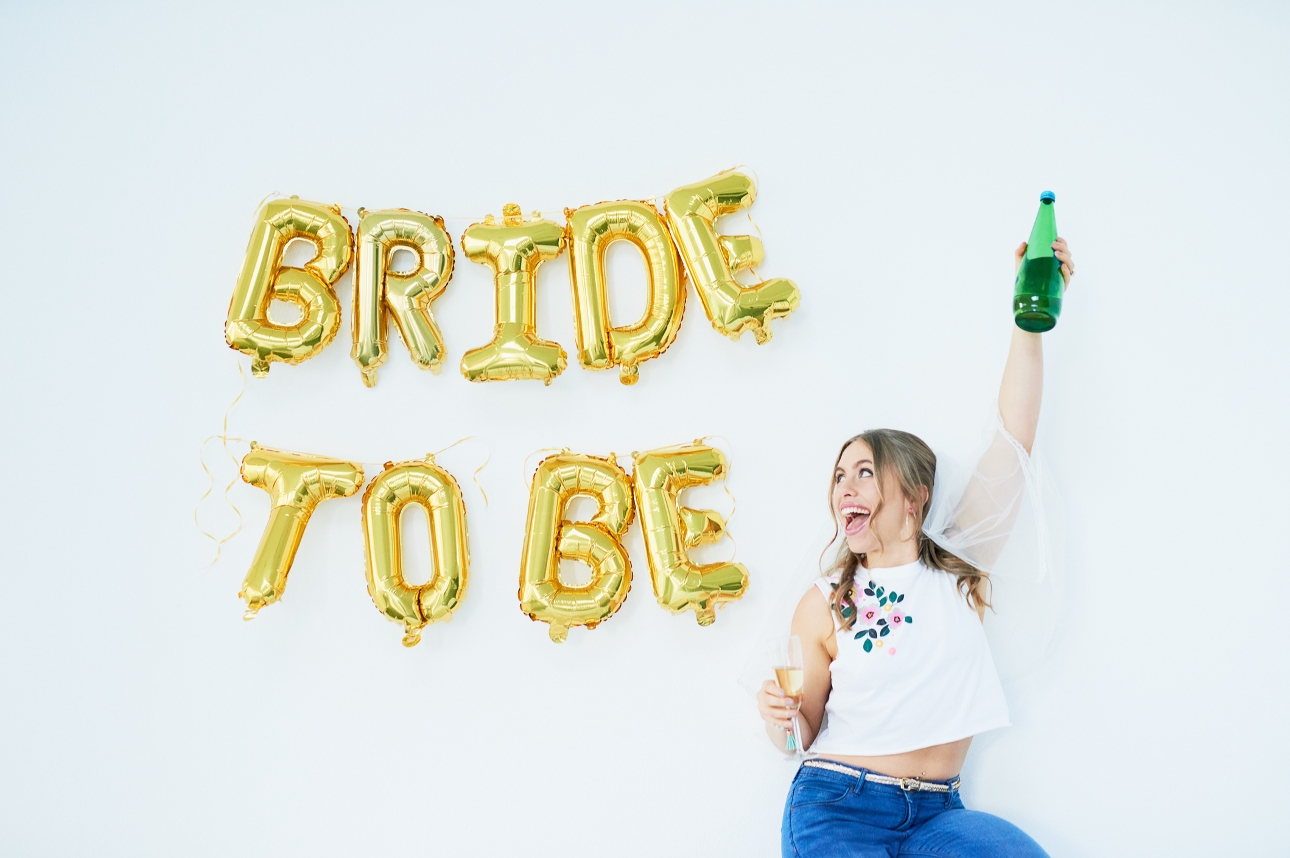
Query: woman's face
x=856 y=495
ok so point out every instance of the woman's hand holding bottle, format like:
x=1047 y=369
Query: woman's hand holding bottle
x=1060 y=250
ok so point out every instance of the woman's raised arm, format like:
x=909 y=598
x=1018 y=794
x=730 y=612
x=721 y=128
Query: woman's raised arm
x=1022 y=389
x=976 y=523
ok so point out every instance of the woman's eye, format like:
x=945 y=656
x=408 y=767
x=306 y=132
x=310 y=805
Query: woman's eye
x=837 y=478
x=865 y=472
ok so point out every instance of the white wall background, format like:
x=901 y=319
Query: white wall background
x=900 y=153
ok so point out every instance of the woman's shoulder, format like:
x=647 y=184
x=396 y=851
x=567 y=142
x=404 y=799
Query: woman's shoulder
x=814 y=611
x=826 y=584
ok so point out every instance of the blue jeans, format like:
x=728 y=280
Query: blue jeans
x=832 y=815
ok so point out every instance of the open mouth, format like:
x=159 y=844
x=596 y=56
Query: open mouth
x=854 y=518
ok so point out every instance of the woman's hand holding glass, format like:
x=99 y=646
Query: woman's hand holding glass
x=779 y=700
x=775 y=707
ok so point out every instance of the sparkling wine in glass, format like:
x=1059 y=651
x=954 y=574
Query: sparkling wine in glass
x=789 y=676
x=790 y=680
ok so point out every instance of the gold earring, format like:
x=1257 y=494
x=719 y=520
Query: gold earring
x=903 y=537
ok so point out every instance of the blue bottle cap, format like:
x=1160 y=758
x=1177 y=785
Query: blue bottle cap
x=1048 y=197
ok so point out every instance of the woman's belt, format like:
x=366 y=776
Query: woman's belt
x=907 y=784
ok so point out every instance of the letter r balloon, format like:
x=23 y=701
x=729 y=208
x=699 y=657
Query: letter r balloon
x=407 y=296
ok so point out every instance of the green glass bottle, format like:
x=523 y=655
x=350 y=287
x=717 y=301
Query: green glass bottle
x=1037 y=299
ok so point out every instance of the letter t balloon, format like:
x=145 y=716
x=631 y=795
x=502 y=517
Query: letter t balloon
x=296 y=483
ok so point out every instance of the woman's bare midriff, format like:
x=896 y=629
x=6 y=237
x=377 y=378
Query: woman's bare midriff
x=937 y=763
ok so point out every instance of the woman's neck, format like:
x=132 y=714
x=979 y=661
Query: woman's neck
x=901 y=554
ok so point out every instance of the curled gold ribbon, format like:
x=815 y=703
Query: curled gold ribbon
x=488 y=455
x=525 y=477
x=725 y=487
x=751 y=268
x=210 y=478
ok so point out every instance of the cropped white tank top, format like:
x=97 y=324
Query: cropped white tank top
x=913 y=671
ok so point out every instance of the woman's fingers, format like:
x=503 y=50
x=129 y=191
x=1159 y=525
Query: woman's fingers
x=1063 y=253
x=771 y=702
x=774 y=695
x=1017 y=256
x=1061 y=250
x=782 y=718
x=774 y=707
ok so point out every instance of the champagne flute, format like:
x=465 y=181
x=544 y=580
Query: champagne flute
x=789 y=676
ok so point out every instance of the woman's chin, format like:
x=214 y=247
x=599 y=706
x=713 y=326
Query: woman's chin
x=859 y=543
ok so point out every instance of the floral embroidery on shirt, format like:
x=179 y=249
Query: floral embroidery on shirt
x=876 y=615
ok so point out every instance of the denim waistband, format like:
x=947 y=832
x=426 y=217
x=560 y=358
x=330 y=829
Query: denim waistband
x=906 y=784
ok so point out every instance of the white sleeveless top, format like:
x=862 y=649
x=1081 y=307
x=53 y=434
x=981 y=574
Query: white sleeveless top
x=913 y=671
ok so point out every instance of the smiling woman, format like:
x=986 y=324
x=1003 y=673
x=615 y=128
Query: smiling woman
x=908 y=469
x=898 y=673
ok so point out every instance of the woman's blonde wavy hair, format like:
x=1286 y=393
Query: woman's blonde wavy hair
x=913 y=464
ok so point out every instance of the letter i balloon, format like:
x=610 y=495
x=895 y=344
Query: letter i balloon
x=514 y=249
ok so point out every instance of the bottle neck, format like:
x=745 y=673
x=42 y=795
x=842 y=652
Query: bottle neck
x=1043 y=233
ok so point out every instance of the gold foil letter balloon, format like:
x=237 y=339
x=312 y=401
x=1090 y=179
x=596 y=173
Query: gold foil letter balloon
x=679 y=584
x=593 y=229
x=430 y=486
x=296 y=483
x=712 y=259
x=549 y=538
x=264 y=278
x=406 y=296
x=514 y=250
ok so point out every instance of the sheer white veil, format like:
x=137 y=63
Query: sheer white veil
x=999 y=512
